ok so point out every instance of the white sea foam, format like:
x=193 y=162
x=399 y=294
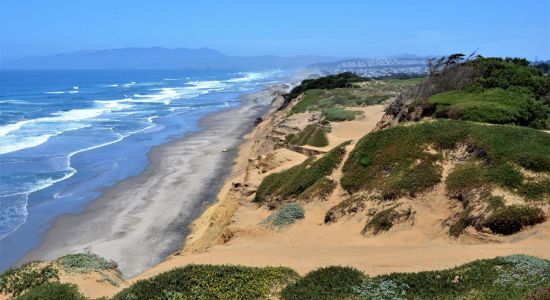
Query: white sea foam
x=34 y=132
x=15 y=101
x=113 y=85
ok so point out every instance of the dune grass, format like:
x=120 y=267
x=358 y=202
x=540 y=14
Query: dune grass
x=313 y=135
x=509 y=277
x=397 y=162
x=290 y=184
x=211 y=282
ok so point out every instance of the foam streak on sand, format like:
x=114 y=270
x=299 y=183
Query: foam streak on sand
x=143 y=219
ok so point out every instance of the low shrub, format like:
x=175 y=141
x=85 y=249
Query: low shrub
x=346 y=207
x=290 y=184
x=320 y=190
x=394 y=162
x=465 y=178
x=312 y=135
x=513 y=218
x=16 y=281
x=342 y=80
x=458 y=227
x=384 y=220
x=497 y=106
x=212 y=282
x=85 y=262
x=53 y=291
x=325 y=283
x=337 y=114
x=286 y=215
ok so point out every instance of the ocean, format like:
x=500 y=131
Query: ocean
x=67 y=135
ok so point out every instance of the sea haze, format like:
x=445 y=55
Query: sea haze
x=66 y=135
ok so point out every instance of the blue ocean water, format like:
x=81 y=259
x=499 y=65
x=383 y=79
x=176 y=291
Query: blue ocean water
x=66 y=135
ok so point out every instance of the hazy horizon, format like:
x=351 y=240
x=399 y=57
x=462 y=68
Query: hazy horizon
x=31 y=28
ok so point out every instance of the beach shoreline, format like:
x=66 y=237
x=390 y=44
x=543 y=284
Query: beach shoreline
x=143 y=219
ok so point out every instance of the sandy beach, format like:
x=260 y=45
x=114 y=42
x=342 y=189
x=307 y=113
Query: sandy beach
x=142 y=219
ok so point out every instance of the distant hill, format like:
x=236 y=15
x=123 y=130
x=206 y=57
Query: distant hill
x=159 y=58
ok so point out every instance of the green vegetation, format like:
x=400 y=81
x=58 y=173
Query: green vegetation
x=53 y=291
x=286 y=215
x=382 y=221
x=489 y=90
x=513 y=218
x=312 y=135
x=342 y=80
x=294 y=182
x=509 y=277
x=316 y=100
x=321 y=190
x=497 y=106
x=337 y=114
x=325 y=283
x=85 y=263
x=17 y=281
x=347 y=207
x=212 y=282
x=396 y=161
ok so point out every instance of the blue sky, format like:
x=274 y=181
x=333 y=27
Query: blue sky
x=342 y=28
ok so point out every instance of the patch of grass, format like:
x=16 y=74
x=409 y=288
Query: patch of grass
x=495 y=202
x=325 y=283
x=510 y=277
x=290 y=184
x=212 y=282
x=347 y=207
x=458 y=227
x=312 y=135
x=394 y=162
x=337 y=114
x=465 y=178
x=16 y=281
x=342 y=80
x=384 y=220
x=320 y=190
x=85 y=263
x=53 y=291
x=513 y=218
x=496 y=106
x=286 y=215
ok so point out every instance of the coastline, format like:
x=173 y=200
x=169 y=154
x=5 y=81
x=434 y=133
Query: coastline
x=142 y=219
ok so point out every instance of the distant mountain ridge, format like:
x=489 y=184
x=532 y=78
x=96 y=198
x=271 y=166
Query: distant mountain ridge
x=160 y=58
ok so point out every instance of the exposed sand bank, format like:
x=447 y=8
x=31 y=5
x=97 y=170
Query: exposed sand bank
x=142 y=219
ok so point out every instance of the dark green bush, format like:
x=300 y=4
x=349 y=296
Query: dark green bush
x=320 y=190
x=325 y=283
x=16 y=281
x=53 y=291
x=212 y=282
x=458 y=227
x=289 y=184
x=342 y=80
x=513 y=218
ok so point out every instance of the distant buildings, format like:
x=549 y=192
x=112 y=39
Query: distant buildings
x=376 y=67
